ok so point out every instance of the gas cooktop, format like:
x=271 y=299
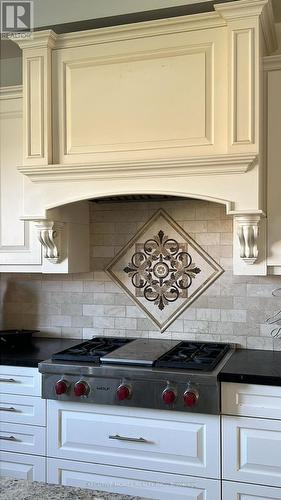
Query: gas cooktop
x=147 y=373
x=159 y=353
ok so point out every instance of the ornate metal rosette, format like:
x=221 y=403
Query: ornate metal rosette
x=161 y=271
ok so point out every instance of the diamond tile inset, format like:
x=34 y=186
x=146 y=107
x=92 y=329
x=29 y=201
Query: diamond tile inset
x=163 y=269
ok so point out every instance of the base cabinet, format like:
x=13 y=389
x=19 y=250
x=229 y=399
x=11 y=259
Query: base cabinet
x=133 y=482
x=134 y=451
x=241 y=491
x=23 y=424
x=20 y=466
x=251 y=437
x=129 y=437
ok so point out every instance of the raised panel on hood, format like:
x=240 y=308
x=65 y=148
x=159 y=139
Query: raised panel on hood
x=124 y=101
x=154 y=94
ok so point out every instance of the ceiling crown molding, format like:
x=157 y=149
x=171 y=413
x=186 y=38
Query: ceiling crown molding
x=205 y=165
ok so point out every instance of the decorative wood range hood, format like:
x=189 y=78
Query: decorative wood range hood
x=172 y=106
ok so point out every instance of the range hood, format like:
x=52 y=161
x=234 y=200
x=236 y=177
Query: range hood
x=163 y=107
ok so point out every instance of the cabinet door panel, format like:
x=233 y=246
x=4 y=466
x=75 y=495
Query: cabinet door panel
x=134 y=482
x=20 y=466
x=160 y=441
x=20 y=380
x=251 y=400
x=241 y=491
x=22 y=409
x=251 y=450
x=22 y=438
x=19 y=245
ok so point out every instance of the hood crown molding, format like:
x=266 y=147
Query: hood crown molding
x=234 y=11
x=217 y=165
x=38 y=39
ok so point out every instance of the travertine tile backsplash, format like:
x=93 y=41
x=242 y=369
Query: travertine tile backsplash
x=233 y=309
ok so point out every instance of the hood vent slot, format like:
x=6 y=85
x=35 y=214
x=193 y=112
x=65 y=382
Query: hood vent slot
x=134 y=198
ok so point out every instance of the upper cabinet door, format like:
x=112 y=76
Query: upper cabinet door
x=273 y=104
x=19 y=245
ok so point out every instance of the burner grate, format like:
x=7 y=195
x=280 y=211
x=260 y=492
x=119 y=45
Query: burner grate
x=90 y=350
x=193 y=356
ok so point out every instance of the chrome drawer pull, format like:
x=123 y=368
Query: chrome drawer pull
x=8 y=409
x=10 y=438
x=8 y=380
x=135 y=440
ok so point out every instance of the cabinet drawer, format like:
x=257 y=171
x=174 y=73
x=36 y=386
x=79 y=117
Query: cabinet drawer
x=145 y=439
x=251 y=450
x=251 y=400
x=241 y=491
x=20 y=380
x=20 y=466
x=133 y=482
x=22 y=438
x=22 y=409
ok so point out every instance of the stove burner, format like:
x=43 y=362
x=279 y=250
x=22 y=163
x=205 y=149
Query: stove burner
x=193 y=356
x=77 y=350
x=91 y=350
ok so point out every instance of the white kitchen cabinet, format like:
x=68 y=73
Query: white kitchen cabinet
x=251 y=400
x=19 y=246
x=242 y=491
x=130 y=481
x=251 y=439
x=55 y=243
x=20 y=380
x=23 y=423
x=22 y=409
x=19 y=466
x=251 y=450
x=272 y=66
x=22 y=438
x=162 y=441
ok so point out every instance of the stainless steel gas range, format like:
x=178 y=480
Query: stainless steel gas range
x=145 y=373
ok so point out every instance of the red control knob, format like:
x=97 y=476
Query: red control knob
x=190 y=398
x=81 y=388
x=61 y=387
x=123 y=392
x=169 y=396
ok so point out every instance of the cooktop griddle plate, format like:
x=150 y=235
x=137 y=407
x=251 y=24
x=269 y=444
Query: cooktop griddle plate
x=143 y=352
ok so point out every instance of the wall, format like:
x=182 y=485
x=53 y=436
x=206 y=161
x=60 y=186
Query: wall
x=10 y=72
x=233 y=309
x=48 y=12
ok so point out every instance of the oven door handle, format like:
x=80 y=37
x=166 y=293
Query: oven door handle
x=11 y=380
x=131 y=439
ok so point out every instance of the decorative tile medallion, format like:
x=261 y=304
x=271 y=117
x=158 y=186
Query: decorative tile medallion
x=163 y=269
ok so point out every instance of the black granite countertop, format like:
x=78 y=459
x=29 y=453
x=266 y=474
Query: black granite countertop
x=249 y=366
x=35 y=351
x=253 y=366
